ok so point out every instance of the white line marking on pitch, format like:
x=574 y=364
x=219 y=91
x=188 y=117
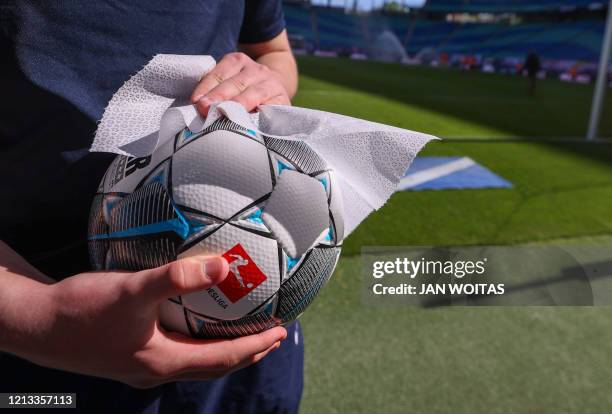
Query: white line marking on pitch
x=433 y=173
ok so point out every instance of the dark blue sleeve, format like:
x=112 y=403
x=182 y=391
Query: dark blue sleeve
x=263 y=20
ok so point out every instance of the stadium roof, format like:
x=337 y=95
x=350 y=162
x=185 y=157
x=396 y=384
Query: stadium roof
x=510 y=6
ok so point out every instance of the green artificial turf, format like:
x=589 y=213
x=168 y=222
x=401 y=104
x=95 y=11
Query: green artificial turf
x=363 y=359
x=538 y=360
x=560 y=190
x=448 y=102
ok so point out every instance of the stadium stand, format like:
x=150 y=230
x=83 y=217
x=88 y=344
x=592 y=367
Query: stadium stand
x=509 y=6
x=580 y=40
x=557 y=35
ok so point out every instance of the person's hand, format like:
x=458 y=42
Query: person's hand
x=239 y=78
x=106 y=324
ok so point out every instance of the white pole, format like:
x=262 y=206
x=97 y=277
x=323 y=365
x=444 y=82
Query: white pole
x=602 y=78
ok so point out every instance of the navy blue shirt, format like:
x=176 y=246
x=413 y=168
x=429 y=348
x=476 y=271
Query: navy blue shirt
x=83 y=51
x=61 y=63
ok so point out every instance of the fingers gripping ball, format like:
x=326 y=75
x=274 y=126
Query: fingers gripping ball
x=272 y=208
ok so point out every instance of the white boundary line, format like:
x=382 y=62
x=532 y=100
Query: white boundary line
x=433 y=173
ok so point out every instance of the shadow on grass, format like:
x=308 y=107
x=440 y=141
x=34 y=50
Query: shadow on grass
x=598 y=151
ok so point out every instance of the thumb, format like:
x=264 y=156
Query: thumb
x=182 y=276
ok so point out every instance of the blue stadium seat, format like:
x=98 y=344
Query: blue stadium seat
x=333 y=29
x=499 y=6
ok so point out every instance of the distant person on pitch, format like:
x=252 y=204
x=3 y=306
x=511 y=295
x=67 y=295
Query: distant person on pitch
x=532 y=66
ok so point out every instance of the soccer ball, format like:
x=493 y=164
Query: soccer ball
x=271 y=207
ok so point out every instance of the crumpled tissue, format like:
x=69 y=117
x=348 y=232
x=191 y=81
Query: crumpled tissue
x=368 y=158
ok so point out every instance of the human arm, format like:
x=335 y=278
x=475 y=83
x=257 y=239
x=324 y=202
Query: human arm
x=107 y=323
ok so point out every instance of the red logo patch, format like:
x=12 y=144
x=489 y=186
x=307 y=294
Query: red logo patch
x=244 y=275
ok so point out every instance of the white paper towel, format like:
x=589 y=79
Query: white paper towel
x=368 y=158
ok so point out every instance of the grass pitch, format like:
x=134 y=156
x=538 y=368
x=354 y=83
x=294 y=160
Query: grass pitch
x=525 y=360
x=448 y=102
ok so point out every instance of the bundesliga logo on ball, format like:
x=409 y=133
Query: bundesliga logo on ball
x=271 y=207
x=244 y=275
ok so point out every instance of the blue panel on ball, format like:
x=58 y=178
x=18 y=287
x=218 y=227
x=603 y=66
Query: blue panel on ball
x=330 y=235
x=282 y=166
x=177 y=225
x=291 y=262
x=255 y=217
x=297 y=292
x=324 y=182
x=200 y=323
x=269 y=308
x=298 y=152
x=148 y=211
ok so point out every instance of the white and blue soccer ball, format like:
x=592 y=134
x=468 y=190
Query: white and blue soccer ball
x=271 y=207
